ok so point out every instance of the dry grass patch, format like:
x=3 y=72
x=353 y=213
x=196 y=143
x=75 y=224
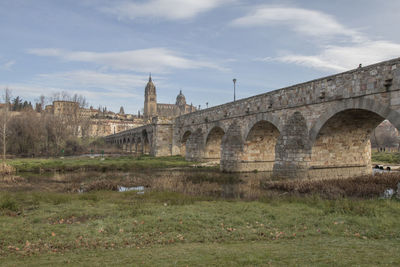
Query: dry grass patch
x=6 y=170
x=367 y=186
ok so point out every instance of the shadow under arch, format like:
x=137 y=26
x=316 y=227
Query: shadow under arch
x=340 y=138
x=363 y=104
x=274 y=120
x=183 y=141
x=146 y=142
x=259 y=146
x=212 y=148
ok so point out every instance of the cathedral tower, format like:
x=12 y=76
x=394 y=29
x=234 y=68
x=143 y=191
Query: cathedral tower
x=181 y=103
x=150 y=100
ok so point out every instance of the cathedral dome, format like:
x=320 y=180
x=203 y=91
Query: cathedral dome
x=150 y=88
x=180 y=99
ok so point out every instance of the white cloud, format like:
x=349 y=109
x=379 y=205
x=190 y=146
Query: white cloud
x=304 y=21
x=341 y=58
x=165 y=9
x=347 y=54
x=8 y=65
x=142 y=60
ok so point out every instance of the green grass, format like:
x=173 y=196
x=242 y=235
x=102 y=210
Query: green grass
x=162 y=228
x=386 y=157
x=297 y=252
x=123 y=163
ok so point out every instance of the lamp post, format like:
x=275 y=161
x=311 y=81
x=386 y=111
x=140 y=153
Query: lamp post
x=234 y=89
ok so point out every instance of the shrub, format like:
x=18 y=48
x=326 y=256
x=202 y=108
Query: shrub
x=8 y=203
x=73 y=147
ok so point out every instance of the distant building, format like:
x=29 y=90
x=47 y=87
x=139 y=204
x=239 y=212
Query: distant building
x=65 y=108
x=102 y=122
x=154 y=109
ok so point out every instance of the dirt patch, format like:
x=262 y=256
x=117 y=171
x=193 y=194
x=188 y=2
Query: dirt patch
x=73 y=219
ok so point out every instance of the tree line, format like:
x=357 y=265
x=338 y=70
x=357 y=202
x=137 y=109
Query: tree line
x=35 y=133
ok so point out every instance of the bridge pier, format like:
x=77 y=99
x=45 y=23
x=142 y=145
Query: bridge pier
x=293 y=149
x=195 y=146
x=232 y=149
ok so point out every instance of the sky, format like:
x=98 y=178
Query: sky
x=105 y=49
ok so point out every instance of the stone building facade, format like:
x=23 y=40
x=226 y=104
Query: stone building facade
x=103 y=122
x=154 y=109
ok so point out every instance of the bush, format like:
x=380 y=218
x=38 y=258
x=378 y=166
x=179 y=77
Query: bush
x=386 y=157
x=7 y=203
x=73 y=147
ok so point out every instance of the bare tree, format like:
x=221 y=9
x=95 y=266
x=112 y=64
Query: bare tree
x=81 y=100
x=5 y=117
x=41 y=102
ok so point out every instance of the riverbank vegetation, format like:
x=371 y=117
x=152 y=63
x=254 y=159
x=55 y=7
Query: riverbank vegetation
x=386 y=157
x=118 y=163
x=126 y=163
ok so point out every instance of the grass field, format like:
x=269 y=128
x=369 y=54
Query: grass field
x=174 y=229
x=122 y=163
x=191 y=217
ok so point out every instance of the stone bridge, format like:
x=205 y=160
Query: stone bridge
x=153 y=139
x=319 y=128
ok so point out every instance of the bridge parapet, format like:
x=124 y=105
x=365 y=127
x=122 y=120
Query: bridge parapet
x=378 y=81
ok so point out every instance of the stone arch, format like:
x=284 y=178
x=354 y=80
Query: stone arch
x=212 y=127
x=268 y=117
x=128 y=144
x=363 y=104
x=212 y=148
x=341 y=138
x=132 y=143
x=146 y=142
x=183 y=141
x=137 y=145
x=259 y=146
